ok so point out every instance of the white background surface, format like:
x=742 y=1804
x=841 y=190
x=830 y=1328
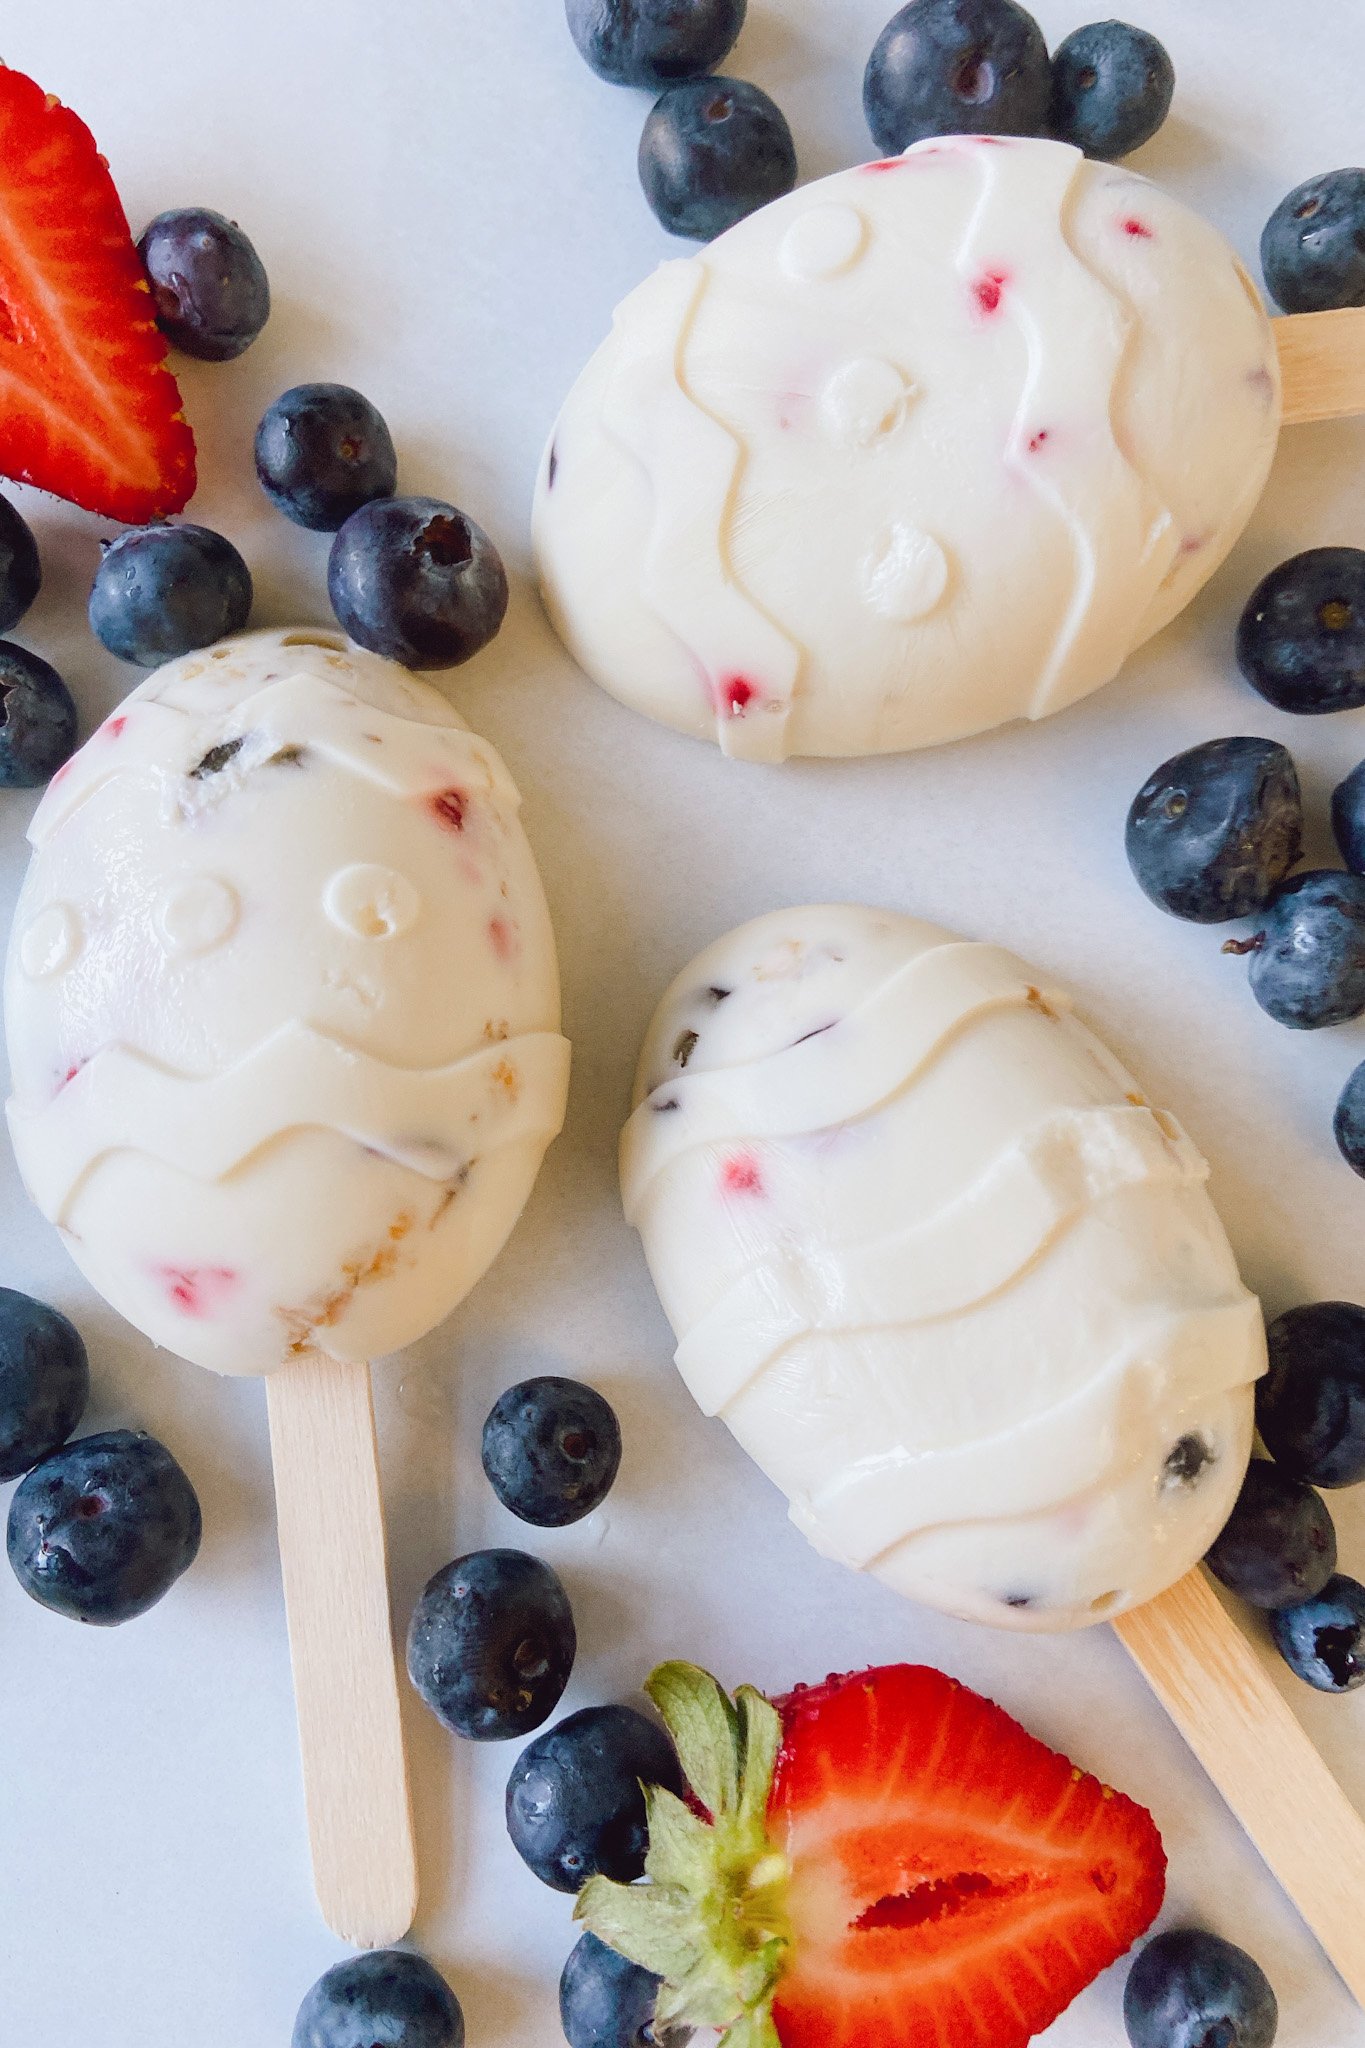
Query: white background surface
x=446 y=202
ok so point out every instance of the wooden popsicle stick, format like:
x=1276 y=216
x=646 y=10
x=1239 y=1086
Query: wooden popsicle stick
x=336 y=1594
x=1322 y=362
x=1209 y=1678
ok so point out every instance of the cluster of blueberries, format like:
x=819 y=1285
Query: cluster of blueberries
x=1216 y=832
x=714 y=149
x=409 y=577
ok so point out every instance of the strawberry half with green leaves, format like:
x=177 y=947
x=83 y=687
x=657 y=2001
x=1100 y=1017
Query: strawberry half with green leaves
x=88 y=408
x=885 y=1861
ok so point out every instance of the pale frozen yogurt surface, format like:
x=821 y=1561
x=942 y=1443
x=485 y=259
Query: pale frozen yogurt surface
x=953 y=1283
x=282 y=1005
x=928 y=446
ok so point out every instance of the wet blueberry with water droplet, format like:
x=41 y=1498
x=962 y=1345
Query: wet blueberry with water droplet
x=575 y=1809
x=161 y=591
x=491 y=1644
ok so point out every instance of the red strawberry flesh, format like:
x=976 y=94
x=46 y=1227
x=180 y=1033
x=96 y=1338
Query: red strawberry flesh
x=88 y=408
x=954 y=1882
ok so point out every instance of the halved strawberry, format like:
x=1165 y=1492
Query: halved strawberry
x=88 y=408
x=890 y=1862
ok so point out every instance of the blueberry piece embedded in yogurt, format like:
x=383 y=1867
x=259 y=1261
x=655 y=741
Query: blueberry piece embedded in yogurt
x=713 y=151
x=1313 y=245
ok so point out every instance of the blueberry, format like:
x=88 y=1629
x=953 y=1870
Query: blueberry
x=323 y=451
x=654 y=42
x=209 y=286
x=389 y=1996
x=1308 y=960
x=551 y=1449
x=1111 y=88
x=574 y=1804
x=21 y=572
x=1301 y=638
x=956 y=67
x=1214 y=831
x=37 y=719
x=713 y=151
x=103 y=1527
x=1322 y=1640
x=1310 y=1407
x=1349 y=1122
x=44 y=1381
x=1189 y=1989
x=491 y=1644
x=1348 y=819
x=416 y=580
x=1313 y=245
x=160 y=591
x=606 y=2002
x=1278 y=1546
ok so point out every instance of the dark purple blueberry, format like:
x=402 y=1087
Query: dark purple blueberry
x=575 y=1809
x=1348 y=819
x=389 y=1998
x=1307 y=965
x=491 y=1644
x=1278 y=1545
x=957 y=67
x=1323 y=1639
x=1310 y=1407
x=654 y=43
x=1112 y=86
x=1216 y=829
x=607 y=2002
x=1189 y=1989
x=323 y=451
x=44 y=1381
x=161 y=591
x=413 y=579
x=712 y=152
x=21 y=573
x=1313 y=245
x=551 y=1450
x=209 y=286
x=1301 y=639
x=1348 y=1124
x=37 y=719
x=102 y=1528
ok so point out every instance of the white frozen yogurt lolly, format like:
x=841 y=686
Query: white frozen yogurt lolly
x=282 y=1005
x=953 y=1283
x=927 y=446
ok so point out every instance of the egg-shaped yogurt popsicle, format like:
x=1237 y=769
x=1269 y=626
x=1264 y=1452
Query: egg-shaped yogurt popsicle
x=927 y=446
x=283 y=1017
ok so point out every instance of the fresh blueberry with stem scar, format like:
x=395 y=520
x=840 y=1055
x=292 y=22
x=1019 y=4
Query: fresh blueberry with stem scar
x=957 y=67
x=1308 y=960
x=389 y=1996
x=161 y=591
x=1323 y=1639
x=37 y=719
x=1313 y=245
x=208 y=285
x=1310 y=1407
x=1278 y=1546
x=1301 y=638
x=1348 y=819
x=1348 y=1124
x=713 y=151
x=1189 y=1989
x=1112 y=86
x=551 y=1450
x=44 y=1381
x=607 y=2002
x=323 y=451
x=102 y=1528
x=1215 y=830
x=418 y=581
x=574 y=1804
x=653 y=43
x=491 y=1644
x=21 y=573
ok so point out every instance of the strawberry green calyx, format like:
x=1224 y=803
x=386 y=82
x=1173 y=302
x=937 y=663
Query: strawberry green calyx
x=710 y=1920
